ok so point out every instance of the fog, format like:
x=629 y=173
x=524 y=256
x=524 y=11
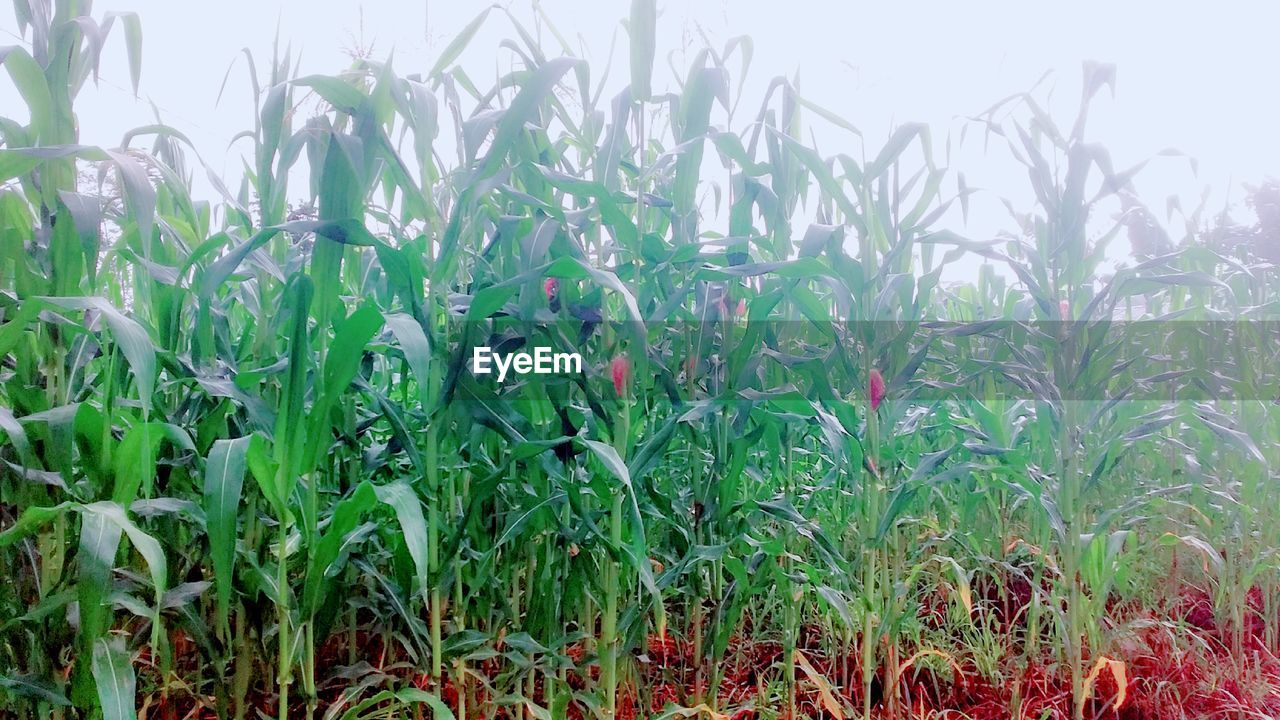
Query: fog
x=1191 y=76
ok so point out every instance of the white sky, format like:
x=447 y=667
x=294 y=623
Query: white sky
x=1200 y=77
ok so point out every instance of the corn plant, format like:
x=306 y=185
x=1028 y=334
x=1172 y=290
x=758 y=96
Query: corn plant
x=251 y=467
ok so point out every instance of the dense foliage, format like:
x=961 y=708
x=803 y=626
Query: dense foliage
x=248 y=470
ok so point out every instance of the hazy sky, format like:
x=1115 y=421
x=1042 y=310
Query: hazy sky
x=1200 y=77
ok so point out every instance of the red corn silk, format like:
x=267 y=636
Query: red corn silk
x=620 y=372
x=551 y=288
x=875 y=389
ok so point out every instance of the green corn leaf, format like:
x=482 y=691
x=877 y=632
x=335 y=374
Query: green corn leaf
x=117 y=684
x=531 y=95
x=288 y=444
x=103 y=522
x=340 y=365
x=457 y=45
x=413 y=526
x=99 y=543
x=135 y=462
x=223 y=482
x=29 y=78
x=34 y=688
x=417 y=351
x=342 y=95
x=643 y=29
x=130 y=337
x=347 y=513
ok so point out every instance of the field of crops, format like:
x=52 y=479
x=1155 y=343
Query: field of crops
x=248 y=468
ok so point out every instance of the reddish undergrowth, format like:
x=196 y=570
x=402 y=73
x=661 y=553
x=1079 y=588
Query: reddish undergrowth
x=1178 y=660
